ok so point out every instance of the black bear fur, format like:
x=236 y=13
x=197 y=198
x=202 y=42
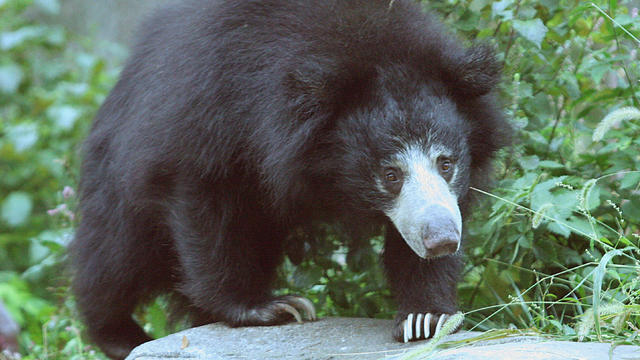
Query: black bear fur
x=236 y=121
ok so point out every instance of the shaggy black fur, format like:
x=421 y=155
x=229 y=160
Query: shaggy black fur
x=236 y=121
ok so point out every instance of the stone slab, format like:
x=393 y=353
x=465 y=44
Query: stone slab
x=355 y=338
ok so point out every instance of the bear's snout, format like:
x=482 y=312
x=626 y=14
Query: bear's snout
x=442 y=243
x=440 y=233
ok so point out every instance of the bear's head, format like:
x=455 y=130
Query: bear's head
x=406 y=153
x=408 y=139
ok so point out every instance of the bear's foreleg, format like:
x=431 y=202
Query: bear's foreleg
x=425 y=289
x=229 y=249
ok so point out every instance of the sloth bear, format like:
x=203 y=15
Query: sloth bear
x=234 y=122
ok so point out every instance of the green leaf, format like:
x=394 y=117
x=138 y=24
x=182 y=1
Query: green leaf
x=549 y=164
x=578 y=12
x=532 y=30
x=626 y=242
x=529 y=162
x=526 y=11
x=631 y=209
x=54 y=240
x=63 y=116
x=50 y=6
x=38 y=252
x=10 y=78
x=156 y=318
x=499 y=9
x=9 y=40
x=16 y=208
x=597 y=72
x=525 y=182
x=305 y=278
x=23 y=136
x=570 y=84
x=581 y=227
x=624 y=19
x=559 y=229
x=552 y=5
x=630 y=181
x=478 y=5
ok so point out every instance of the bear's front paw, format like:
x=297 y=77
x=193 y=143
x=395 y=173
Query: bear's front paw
x=418 y=326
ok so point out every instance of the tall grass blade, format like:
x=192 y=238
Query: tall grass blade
x=598 y=277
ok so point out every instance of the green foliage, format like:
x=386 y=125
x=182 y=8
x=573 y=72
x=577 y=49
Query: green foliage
x=49 y=90
x=341 y=280
x=552 y=249
x=559 y=237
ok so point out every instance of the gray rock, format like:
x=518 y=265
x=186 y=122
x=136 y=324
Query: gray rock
x=344 y=338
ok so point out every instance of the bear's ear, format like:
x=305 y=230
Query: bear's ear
x=476 y=72
x=308 y=92
x=324 y=89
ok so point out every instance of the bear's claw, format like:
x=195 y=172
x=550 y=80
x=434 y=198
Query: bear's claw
x=291 y=310
x=422 y=325
x=293 y=304
x=275 y=311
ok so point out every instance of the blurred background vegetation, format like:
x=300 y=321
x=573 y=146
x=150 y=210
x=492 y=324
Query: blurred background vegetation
x=553 y=249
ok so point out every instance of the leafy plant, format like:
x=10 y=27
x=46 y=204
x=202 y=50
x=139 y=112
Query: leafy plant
x=50 y=86
x=560 y=237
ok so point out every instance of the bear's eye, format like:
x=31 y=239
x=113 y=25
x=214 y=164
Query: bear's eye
x=445 y=166
x=391 y=176
x=392 y=180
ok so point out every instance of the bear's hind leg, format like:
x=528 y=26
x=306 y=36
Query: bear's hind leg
x=106 y=293
x=117 y=265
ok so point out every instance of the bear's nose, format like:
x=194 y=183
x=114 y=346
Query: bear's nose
x=440 y=235
x=443 y=244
